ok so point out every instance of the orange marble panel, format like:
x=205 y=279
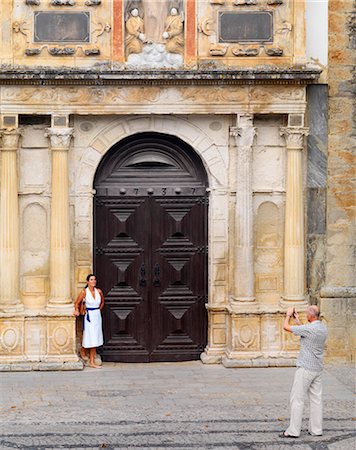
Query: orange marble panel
x=118 y=32
x=190 y=32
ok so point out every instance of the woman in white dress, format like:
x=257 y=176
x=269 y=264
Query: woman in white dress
x=92 y=323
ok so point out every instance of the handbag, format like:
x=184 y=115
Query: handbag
x=82 y=308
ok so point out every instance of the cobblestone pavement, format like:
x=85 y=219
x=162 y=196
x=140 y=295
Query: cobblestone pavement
x=168 y=406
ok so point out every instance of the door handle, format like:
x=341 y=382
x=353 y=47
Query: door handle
x=143 y=275
x=157 y=273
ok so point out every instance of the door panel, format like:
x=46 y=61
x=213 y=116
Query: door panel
x=151 y=263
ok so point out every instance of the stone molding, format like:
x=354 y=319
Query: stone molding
x=162 y=78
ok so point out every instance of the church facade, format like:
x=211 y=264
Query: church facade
x=179 y=151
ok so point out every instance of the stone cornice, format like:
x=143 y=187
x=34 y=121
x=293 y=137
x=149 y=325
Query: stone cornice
x=50 y=77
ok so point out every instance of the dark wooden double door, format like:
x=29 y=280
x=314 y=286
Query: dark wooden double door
x=151 y=262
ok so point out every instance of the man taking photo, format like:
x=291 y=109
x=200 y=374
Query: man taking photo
x=307 y=379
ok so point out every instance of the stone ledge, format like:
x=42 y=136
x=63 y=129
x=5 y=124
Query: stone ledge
x=258 y=362
x=204 y=76
x=41 y=366
x=338 y=292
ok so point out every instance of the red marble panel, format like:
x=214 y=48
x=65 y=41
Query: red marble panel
x=190 y=32
x=118 y=31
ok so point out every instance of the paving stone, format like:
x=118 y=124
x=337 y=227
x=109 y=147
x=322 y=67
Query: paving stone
x=167 y=406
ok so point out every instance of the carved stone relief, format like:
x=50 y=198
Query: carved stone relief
x=154 y=33
x=63 y=33
x=62 y=2
x=222 y=35
x=11 y=338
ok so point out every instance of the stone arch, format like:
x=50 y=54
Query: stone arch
x=123 y=127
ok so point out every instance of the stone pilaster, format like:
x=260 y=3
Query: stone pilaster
x=294 y=264
x=60 y=274
x=9 y=223
x=244 y=134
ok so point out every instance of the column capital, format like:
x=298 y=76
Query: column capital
x=294 y=136
x=244 y=135
x=59 y=137
x=10 y=138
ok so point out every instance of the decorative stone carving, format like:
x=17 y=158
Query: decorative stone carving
x=92 y=51
x=244 y=2
x=60 y=137
x=205 y=26
x=66 y=51
x=218 y=50
x=217 y=2
x=11 y=337
x=61 y=337
x=245 y=52
x=33 y=2
x=32 y=51
x=274 y=2
x=93 y=2
x=173 y=32
x=274 y=51
x=294 y=137
x=62 y=2
x=20 y=27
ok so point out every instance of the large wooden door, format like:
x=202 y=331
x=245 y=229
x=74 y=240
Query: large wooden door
x=151 y=251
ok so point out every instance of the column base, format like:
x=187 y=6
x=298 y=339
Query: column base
x=12 y=309
x=292 y=300
x=242 y=299
x=209 y=357
x=60 y=308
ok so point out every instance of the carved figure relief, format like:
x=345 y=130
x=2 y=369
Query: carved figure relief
x=154 y=33
x=173 y=32
x=134 y=32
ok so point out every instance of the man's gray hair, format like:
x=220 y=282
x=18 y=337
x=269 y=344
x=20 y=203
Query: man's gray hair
x=313 y=310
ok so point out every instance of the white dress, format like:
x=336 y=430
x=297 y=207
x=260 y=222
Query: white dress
x=93 y=331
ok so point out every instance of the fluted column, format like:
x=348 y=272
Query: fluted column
x=60 y=231
x=244 y=134
x=294 y=264
x=9 y=223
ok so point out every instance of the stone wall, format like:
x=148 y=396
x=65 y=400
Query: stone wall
x=338 y=295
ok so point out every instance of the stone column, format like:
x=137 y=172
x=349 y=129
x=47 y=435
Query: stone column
x=9 y=224
x=244 y=134
x=60 y=230
x=294 y=264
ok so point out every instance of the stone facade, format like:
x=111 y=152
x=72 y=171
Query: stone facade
x=246 y=109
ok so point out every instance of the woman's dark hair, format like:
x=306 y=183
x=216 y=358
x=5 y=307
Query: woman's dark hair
x=88 y=278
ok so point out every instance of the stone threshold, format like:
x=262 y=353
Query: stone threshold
x=258 y=362
x=41 y=366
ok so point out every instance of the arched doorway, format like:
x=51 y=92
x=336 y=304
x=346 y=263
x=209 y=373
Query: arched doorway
x=150 y=255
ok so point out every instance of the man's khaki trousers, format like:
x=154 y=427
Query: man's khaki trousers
x=306 y=384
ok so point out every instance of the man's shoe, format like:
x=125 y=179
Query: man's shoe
x=284 y=435
x=312 y=434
